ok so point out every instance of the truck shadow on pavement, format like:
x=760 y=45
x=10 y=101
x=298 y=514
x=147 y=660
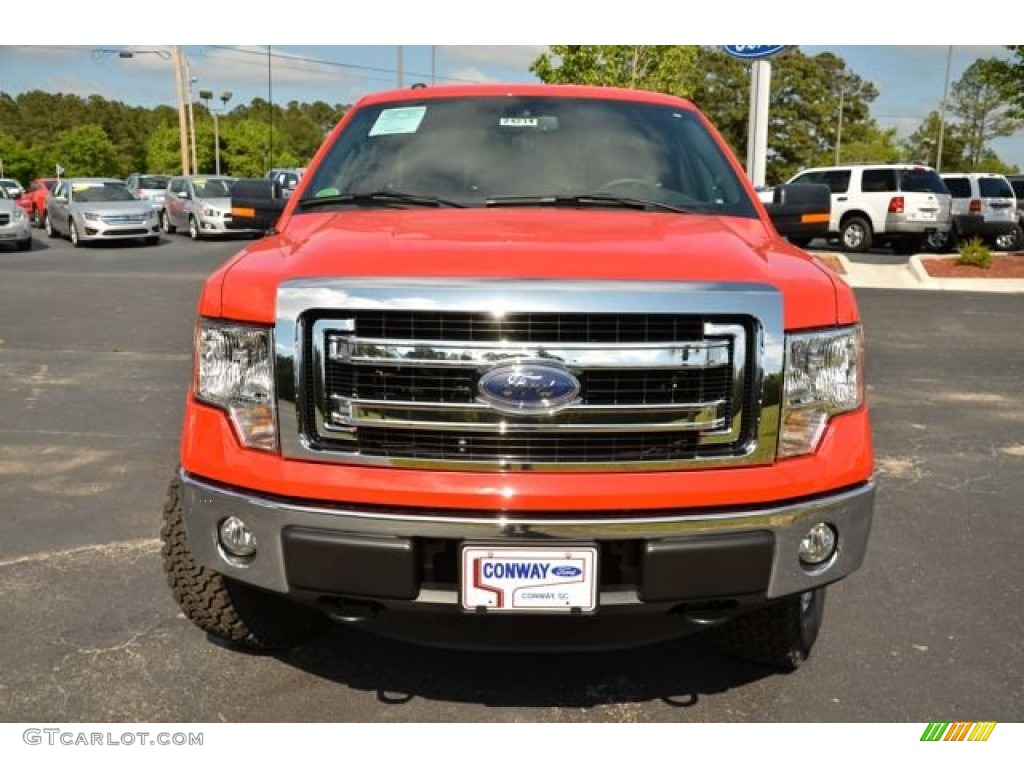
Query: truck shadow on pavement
x=676 y=672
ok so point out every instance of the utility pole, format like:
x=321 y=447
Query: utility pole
x=179 y=75
x=400 y=67
x=433 y=65
x=270 y=105
x=942 y=110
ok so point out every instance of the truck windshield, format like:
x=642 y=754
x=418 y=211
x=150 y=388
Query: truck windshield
x=487 y=150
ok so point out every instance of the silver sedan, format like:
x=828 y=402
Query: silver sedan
x=88 y=209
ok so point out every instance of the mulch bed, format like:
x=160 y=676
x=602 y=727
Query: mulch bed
x=1005 y=265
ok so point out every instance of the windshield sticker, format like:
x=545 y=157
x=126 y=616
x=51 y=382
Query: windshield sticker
x=399 y=120
x=519 y=122
x=328 y=192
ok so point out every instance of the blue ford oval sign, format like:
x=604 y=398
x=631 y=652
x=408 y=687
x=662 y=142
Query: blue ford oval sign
x=567 y=571
x=527 y=387
x=751 y=52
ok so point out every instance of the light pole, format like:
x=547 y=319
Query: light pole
x=225 y=98
x=191 y=114
x=101 y=54
x=844 y=83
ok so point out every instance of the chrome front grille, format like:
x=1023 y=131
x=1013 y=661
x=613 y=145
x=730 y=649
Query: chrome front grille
x=134 y=219
x=364 y=378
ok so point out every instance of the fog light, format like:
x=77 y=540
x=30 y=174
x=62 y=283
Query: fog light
x=237 y=538
x=818 y=544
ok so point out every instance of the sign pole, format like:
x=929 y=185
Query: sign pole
x=757 y=136
x=760 y=95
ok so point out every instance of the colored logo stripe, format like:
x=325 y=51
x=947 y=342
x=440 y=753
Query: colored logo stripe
x=959 y=731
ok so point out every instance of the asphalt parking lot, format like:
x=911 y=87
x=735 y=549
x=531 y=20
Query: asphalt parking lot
x=94 y=361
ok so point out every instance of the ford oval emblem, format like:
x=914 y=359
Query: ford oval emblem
x=528 y=388
x=567 y=571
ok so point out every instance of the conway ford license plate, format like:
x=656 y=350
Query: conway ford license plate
x=529 y=579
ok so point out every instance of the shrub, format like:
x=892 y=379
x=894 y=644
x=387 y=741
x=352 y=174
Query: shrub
x=975 y=253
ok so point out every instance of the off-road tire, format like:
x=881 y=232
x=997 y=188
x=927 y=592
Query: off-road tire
x=781 y=634
x=856 y=235
x=242 y=615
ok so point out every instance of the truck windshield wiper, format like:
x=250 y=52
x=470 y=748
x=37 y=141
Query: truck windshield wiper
x=580 y=201
x=377 y=198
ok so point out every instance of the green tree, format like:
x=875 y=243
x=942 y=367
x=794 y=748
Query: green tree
x=86 y=150
x=805 y=96
x=983 y=104
x=922 y=145
x=18 y=160
x=648 y=67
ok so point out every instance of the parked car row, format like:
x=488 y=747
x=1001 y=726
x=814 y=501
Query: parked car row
x=911 y=207
x=87 y=209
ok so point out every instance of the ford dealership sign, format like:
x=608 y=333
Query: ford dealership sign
x=751 y=52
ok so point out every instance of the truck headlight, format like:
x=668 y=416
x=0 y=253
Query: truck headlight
x=824 y=376
x=209 y=211
x=19 y=214
x=234 y=371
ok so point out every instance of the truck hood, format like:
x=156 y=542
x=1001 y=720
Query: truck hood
x=534 y=243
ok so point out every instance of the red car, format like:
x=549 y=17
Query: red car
x=34 y=199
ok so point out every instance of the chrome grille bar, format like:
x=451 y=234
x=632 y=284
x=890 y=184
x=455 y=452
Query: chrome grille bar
x=668 y=415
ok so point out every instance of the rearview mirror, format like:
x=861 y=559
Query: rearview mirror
x=801 y=211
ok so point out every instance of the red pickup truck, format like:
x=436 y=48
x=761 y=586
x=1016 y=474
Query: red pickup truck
x=523 y=366
x=34 y=200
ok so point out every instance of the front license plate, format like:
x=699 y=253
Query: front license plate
x=547 y=579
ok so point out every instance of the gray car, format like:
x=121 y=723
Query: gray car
x=89 y=209
x=14 y=224
x=147 y=186
x=200 y=205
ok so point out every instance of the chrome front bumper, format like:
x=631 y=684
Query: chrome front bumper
x=205 y=505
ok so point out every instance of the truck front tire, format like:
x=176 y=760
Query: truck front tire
x=242 y=615
x=781 y=634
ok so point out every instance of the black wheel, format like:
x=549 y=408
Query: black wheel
x=165 y=223
x=800 y=242
x=73 y=234
x=781 y=634
x=1011 y=241
x=242 y=615
x=25 y=245
x=193 y=228
x=908 y=245
x=855 y=234
x=48 y=226
x=941 y=242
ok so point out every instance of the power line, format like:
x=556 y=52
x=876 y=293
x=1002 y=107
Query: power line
x=338 y=64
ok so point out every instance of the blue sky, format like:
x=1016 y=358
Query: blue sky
x=909 y=77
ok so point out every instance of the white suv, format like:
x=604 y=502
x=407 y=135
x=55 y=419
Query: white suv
x=984 y=205
x=895 y=205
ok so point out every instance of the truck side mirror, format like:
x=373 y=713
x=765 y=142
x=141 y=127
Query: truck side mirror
x=256 y=204
x=801 y=210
